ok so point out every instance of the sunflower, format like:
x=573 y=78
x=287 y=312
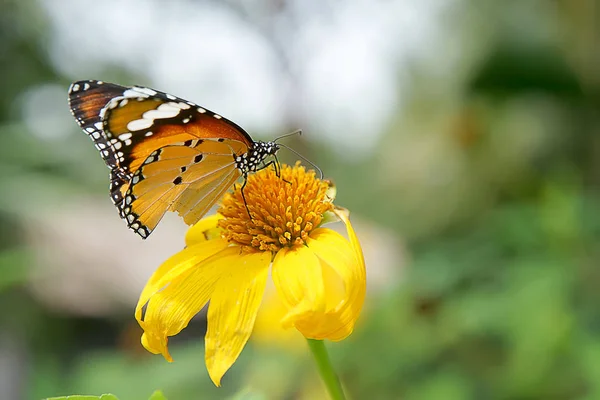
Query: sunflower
x=273 y=228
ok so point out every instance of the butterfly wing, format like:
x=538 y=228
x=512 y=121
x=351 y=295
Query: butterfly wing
x=86 y=100
x=187 y=178
x=145 y=137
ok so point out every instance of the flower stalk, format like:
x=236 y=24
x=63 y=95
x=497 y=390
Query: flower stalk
x=328 y=375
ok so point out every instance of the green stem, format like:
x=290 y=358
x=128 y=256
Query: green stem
x=319 y=352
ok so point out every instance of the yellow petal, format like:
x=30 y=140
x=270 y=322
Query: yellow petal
x=298 y=278
x=178 y=264
x=352 y=273
x=268 y=331
x=170 y=310
x=150 y=347
x=343 y=214
x=232 y=310
x=205 y=229
x=341 y=262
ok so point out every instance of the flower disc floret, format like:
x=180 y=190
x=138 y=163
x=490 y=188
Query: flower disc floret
x=276 y=212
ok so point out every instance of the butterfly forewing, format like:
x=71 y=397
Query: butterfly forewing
x=86 y=100
x=164 y=153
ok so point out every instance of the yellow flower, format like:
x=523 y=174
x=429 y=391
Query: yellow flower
x=319 y=275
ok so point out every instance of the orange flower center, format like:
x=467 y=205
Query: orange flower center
x=284 y=209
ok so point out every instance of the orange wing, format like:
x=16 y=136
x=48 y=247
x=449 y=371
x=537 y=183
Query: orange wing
x=187 y=178
x=148 y=139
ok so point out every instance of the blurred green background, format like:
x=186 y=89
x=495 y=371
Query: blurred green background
x=463 y=135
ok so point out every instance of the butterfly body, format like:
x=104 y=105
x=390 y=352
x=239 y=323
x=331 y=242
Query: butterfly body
x=164 y=153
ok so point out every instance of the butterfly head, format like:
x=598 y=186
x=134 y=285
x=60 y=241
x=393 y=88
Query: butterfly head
x=267 y=148
x=252 y=160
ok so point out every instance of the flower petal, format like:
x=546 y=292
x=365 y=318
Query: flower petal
x=203 y=230
x=232 y=310
x=298 y=278
x=343 y=214
x=178 y=264
x=169 y=310
x=341 y=260
x=335 y=251
x=268 y=331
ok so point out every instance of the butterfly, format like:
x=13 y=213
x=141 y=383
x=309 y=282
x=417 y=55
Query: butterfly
x=164 y=153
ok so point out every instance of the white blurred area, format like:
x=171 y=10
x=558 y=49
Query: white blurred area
x=338 y=70
x=335 y=67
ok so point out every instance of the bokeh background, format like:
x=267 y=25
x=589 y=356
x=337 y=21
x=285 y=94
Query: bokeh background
x=463 y=135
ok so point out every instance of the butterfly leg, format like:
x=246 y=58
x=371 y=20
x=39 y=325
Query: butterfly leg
x=277 y=167
x=243 y=196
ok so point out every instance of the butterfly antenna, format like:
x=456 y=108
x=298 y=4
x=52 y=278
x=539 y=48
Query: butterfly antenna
x=304 y=158
x=296 y=132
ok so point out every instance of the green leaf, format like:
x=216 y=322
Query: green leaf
x=157 y=395
x=84 y=397
x=247 y=394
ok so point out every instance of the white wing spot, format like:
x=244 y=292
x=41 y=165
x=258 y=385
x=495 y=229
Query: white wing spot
x=134 y=94
x=217 y=116
x=75 y=87
x=146 y=91
x=86 y=86
x=139 y=124
x=125 y=136
x=201 y=110
x=169 y=107
x=183 y=106
x=164 y=113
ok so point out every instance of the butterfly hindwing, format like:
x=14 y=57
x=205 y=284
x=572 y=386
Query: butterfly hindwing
x=186 y=177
